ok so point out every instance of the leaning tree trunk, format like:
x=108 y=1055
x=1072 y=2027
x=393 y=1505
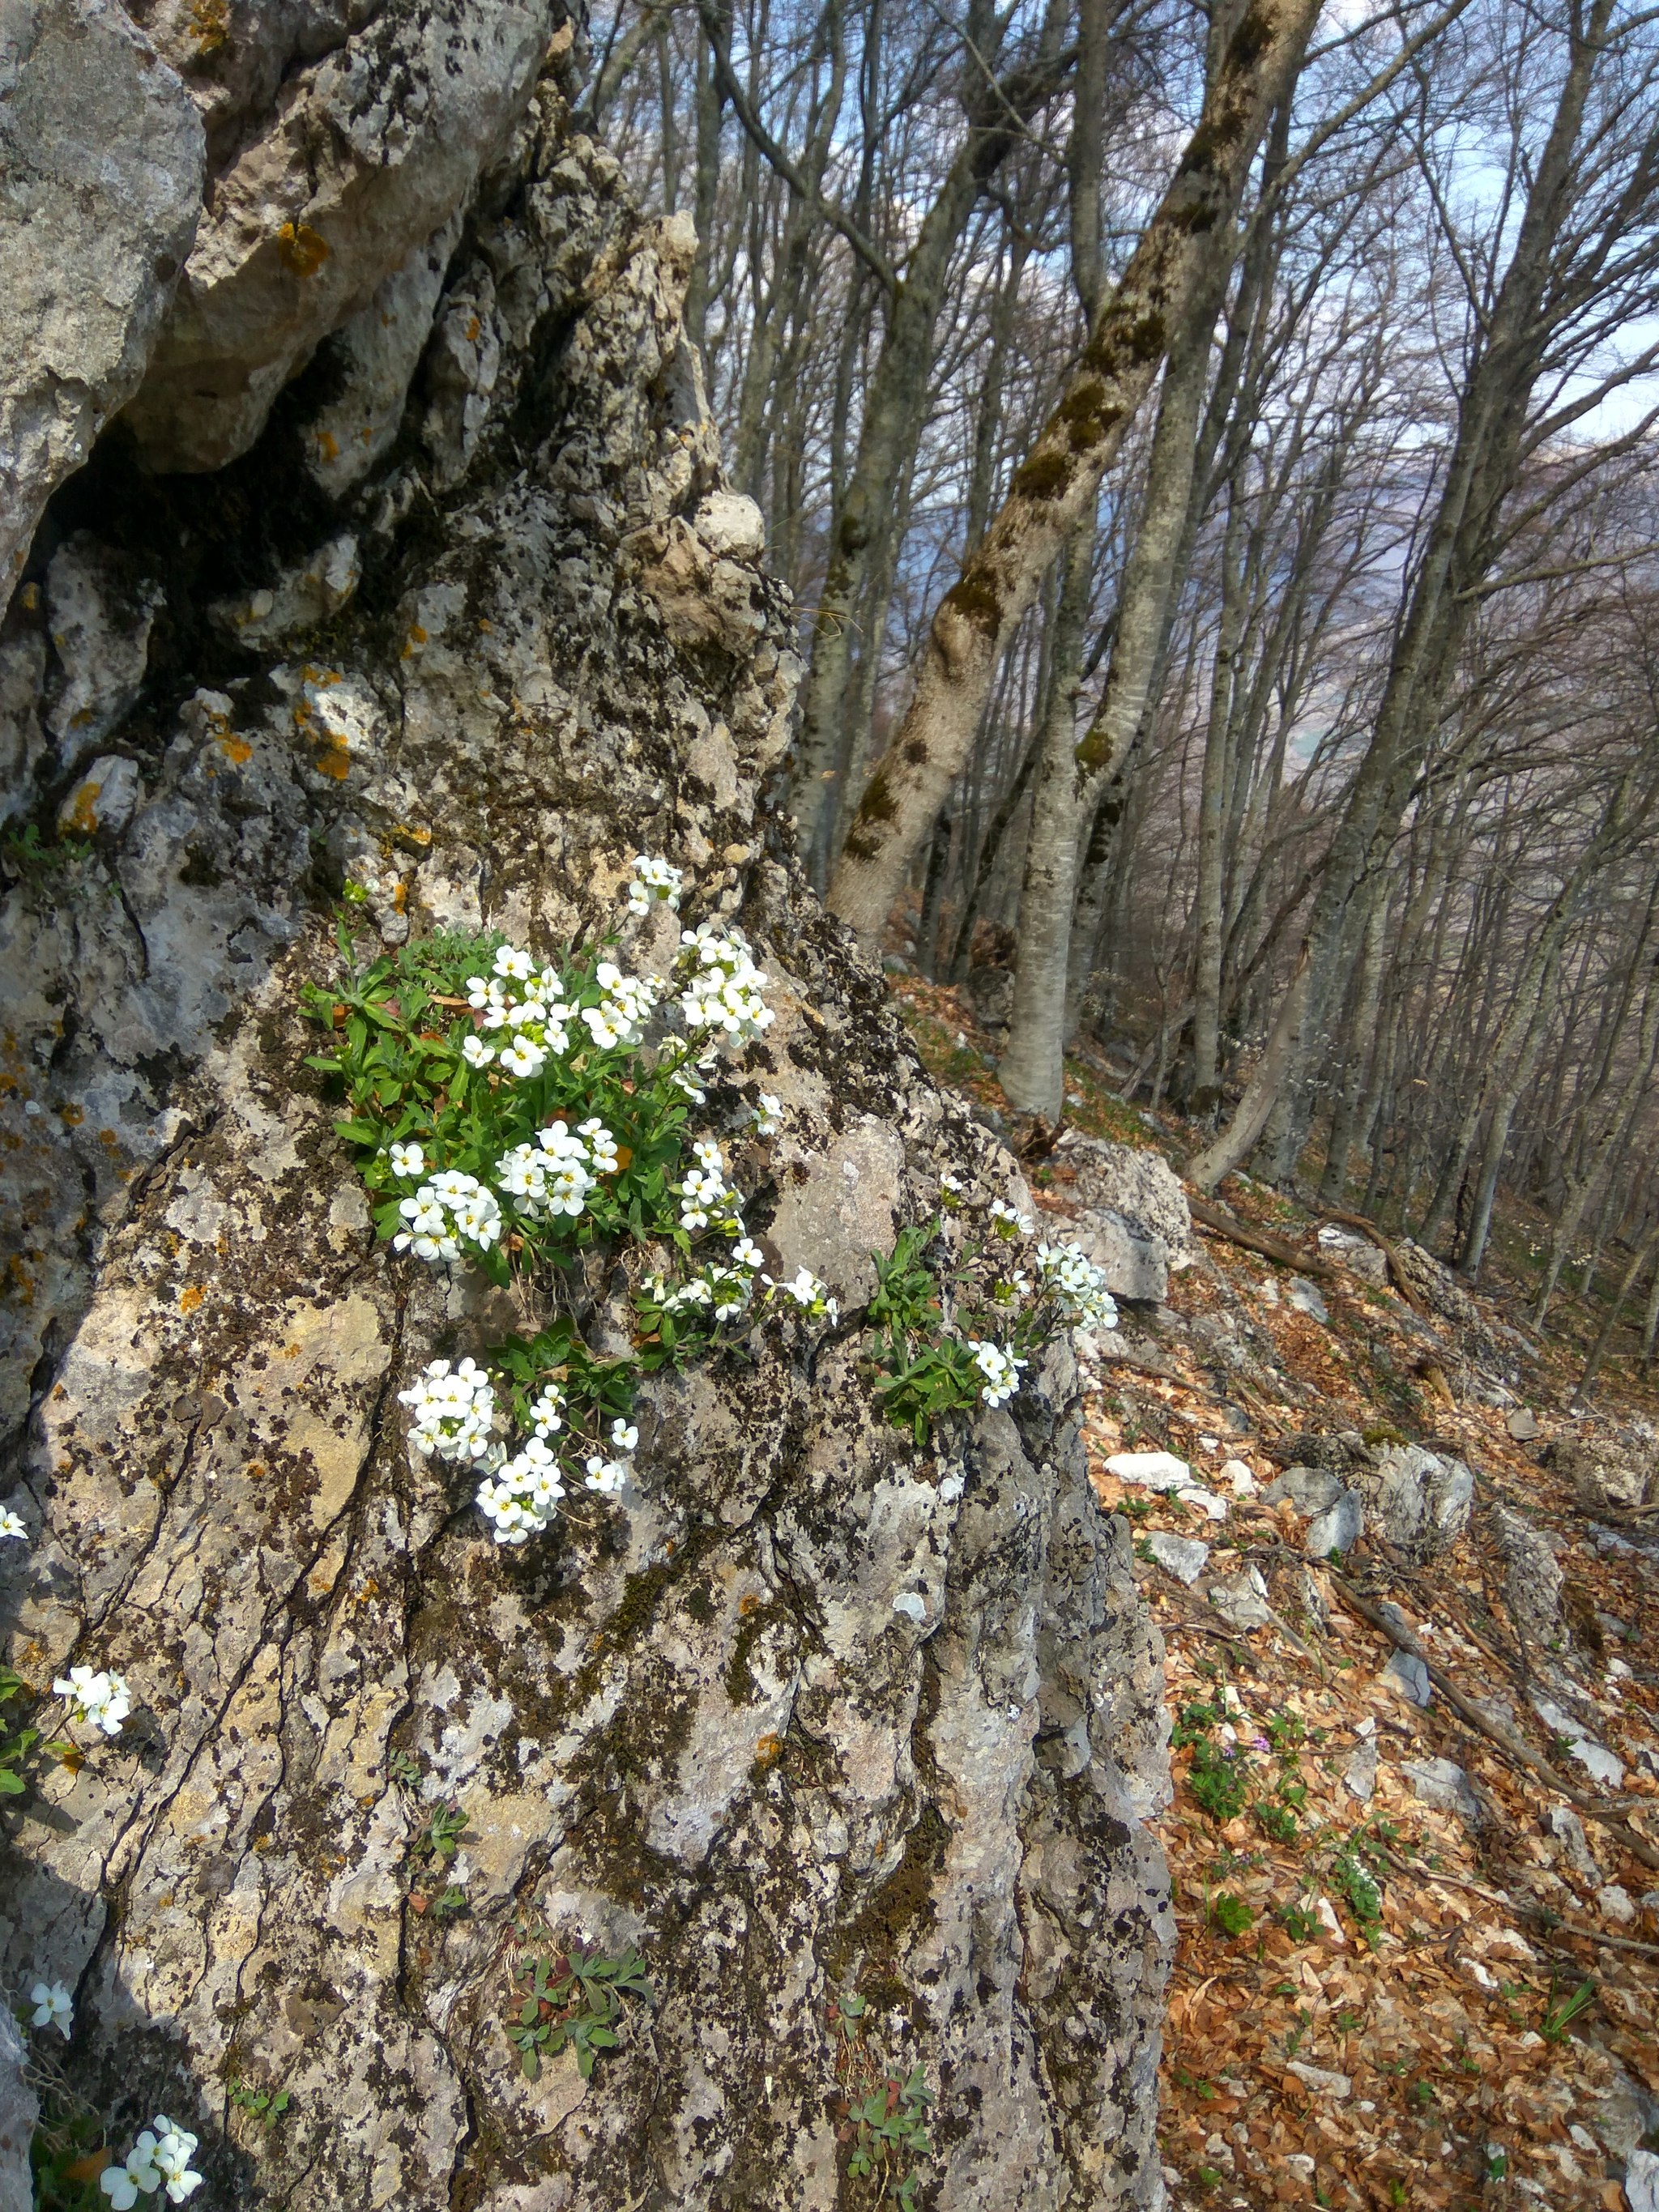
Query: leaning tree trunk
x=468 y=623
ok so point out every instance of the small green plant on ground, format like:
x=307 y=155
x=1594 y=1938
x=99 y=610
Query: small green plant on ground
x=1355 y=1882
x=1299 y=1924
x=572 y=1998
x=1232 y=1915
x=17 y=1745
x=1219 y=1784
x=1560 y=2013
x=882 y=2118
x=265 y=2105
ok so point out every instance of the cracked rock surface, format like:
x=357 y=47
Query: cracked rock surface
x=709 y=1728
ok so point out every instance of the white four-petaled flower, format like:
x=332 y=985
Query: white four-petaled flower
x=101 y=1700
x=53 y=2006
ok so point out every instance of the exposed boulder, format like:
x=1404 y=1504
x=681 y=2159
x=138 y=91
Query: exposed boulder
x=824 y=1710
x=1132 y=1219
x=1606 y=1475
x=1420 y=1499
x=101 y=186
x=335 y=160
x=1533 y=1579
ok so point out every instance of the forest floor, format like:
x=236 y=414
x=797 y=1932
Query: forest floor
x=1419 y=1959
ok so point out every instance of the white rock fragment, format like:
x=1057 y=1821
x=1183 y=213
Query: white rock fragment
x=1444 y=1785
x=1616 y=1903
x=1237 y=1472
x=1322 y=2083
x=912 y=1606
x=1305 y=1297
x=1205 y=1502
x=1183 y=1557
x=1154 y=1470
x=1359 y=1775
x=1408 y=1675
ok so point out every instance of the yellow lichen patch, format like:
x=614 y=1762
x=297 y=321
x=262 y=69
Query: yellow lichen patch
x=209 y=24
x=189 y=1298
x=328 y=445
x=336 y=762
x=234 y=748
x=71 y=1116
x=303 y=250
x=82 y=816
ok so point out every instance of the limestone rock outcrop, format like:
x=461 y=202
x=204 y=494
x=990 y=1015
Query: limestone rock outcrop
x=829 y=1712
x=101 y=158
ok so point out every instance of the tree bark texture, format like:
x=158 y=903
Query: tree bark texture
x=702 y=1729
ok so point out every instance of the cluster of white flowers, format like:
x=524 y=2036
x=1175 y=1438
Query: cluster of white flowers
x=554 y=1174
x=13 y=1524
x=159 y=2160
x=1001 y=1369
x=609 y=1476
x=622 y=1014
x=653 y=880
x=1009 y=1220
x=547 y=1413
x=1078 y=1285
x=450 y=1209
x=723 y=989
x=102 y=1700
x=810 y=1294
x=529 y=1006
x=454 y=1410
x=520 y=1498
x=53 y=2006
x=769 y=1115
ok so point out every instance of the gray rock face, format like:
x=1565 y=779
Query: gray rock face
x=1241 y=1600
x=101 y=185
x=1360 y=1773
x=1444 y=1785
x=1420 y=1499
x=822 y=1709
x=1134 y=1220
x=1533 y=1579
x=347 y=153
x=18 y=2110
x=1604 y=1478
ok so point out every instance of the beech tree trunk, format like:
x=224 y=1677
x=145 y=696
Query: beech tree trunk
x=1058 y=482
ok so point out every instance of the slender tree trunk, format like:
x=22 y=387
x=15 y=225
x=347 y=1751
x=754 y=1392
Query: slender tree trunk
x=1503 y=1115
x=1645 y=1251
x=1072 y=782
x=1480 y=470
x=1362 y=1037
x=1032 y=1069
x=895 y=413
x=1151 y=306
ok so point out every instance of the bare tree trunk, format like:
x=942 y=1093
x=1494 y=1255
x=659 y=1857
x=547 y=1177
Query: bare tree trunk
x=895 y=411
x=1480 y=470
x=1503 y=1115
x=1362 y=1033
x=1151 y=306
x=1032 y=1069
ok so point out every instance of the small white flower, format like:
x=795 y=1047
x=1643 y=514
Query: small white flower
x=707 y=1153
x=515 y=966
x=524 y=1057
x=608 y=1476
x=408 y=1160
x=769 y=1115
x=121 y=2183
x=103 y=1701
x=53 y=2006
x=1001 y=1369
x=624 y=1436
x=952 y=1185
x=13 y=1524
x=1009 y=1221
x=170 y=2158
x=745 y=1253
x=476 y=1053
x=653 y=880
